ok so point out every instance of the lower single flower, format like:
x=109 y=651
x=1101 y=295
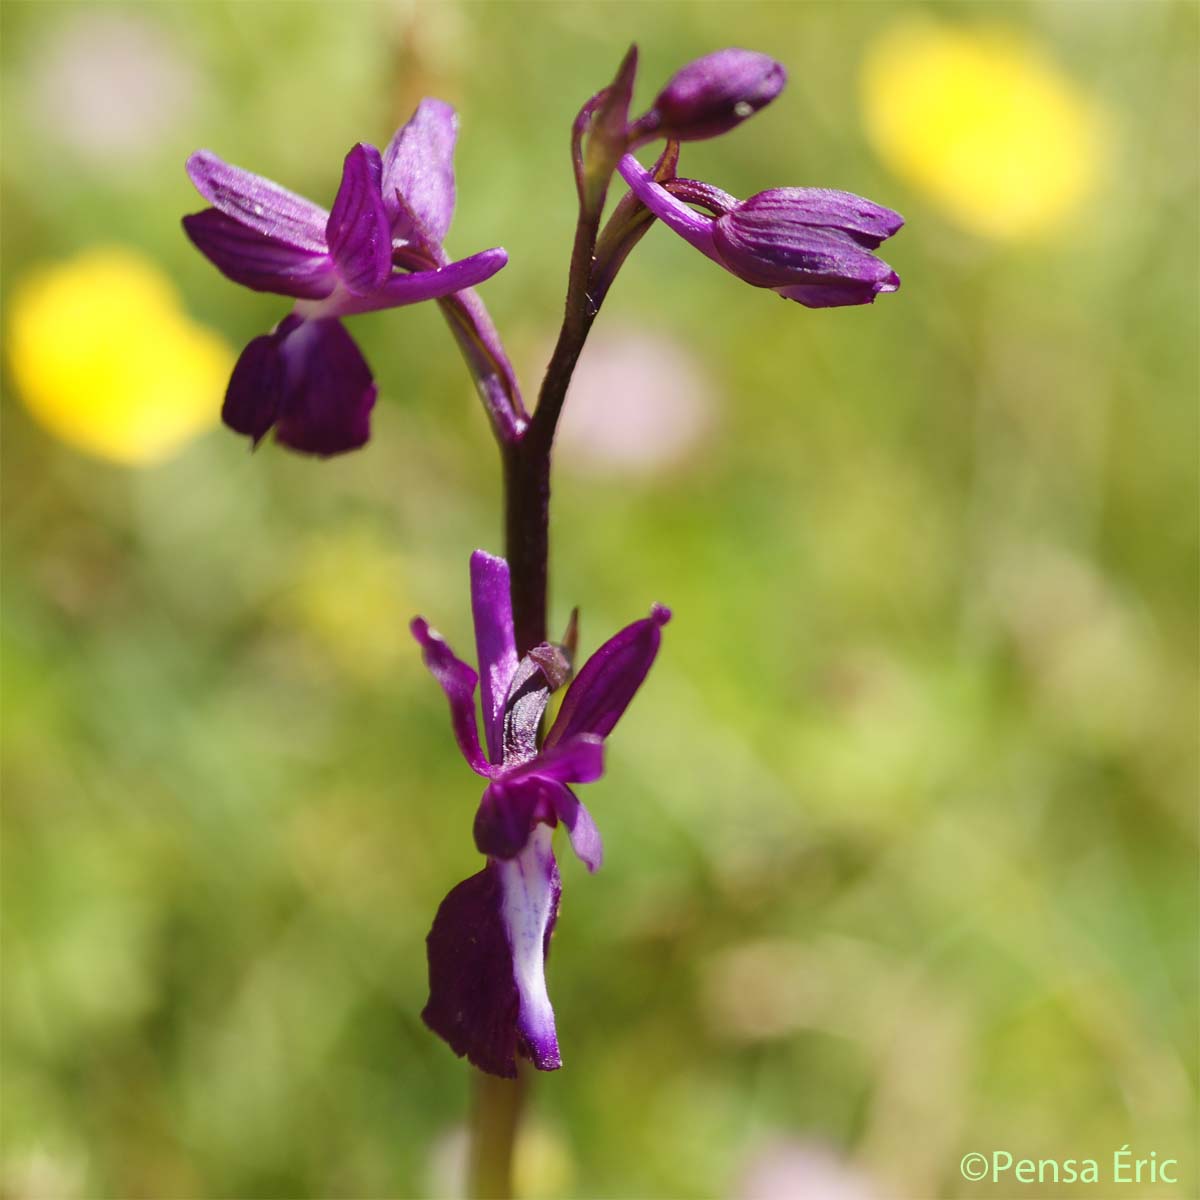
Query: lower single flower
x=489 y=941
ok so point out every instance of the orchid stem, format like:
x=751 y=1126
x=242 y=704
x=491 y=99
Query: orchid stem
x=525 y=456
x=527 y=536
x=495 y=1116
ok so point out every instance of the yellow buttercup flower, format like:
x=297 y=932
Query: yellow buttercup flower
x=104 y=356
x=983 y=122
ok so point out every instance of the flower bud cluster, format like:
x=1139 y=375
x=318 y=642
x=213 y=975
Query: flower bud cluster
x=810 y=245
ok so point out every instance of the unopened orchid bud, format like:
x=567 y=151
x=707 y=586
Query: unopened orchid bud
x=811 y=245
x=713 y=95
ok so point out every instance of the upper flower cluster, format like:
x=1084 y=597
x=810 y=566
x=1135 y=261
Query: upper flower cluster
x=811 y=245
x=307 y=378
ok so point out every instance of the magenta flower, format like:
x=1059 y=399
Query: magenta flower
x=488 y=944
x=307 y=379
x=811 y=245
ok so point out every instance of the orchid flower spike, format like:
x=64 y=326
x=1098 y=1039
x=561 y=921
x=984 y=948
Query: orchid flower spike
x=307 y=379
x=811 y=245
x=488 y=945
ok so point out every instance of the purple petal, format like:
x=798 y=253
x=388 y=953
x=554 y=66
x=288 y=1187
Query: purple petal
x=258 y=203
x=867 y=223
x=577 y=760
x=585 y=837
x=530 y=890
x=255 y=392
x=257 y=261
x=359 y=232
x=329 y=391
x=399 y=290
x=419 y=164
x=780 y=248
x=495 y=645
x=506 y=816
x=715 y=93
x=473 y=999
x=458 y=681
x=602 y=690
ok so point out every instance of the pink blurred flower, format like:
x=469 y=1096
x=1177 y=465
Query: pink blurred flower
x=111 y=84
x=786 y=1169
x=639 y=402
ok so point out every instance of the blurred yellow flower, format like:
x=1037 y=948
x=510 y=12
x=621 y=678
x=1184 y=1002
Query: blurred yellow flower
x=105 y=356
x=348 y=603
x=983 y=122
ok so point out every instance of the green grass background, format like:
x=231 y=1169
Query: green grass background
x=901 y=834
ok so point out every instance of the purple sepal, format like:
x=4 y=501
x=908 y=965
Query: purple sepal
x=255 y=260
x=602 y=690
x=715 y=94
x=458 y=681
x=473 y=999
x=328 y=393
x=495 y=644
x=418 y=165
x=258 y=203
x=358 y=231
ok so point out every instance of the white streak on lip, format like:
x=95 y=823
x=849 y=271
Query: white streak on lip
x=526 y=911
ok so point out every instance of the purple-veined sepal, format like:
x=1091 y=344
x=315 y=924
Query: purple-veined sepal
x=602 y=690
x=418 y=176
x=259 y=261
x=458 y=681
x=257 y=203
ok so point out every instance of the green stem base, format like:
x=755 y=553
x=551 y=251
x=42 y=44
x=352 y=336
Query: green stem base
x=495 y=1115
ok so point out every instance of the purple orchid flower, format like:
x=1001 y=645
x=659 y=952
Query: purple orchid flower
x=488 y=944
x=307 y=378
x=811 y=245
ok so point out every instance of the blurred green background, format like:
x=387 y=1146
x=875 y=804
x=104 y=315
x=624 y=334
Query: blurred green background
x=901 y=834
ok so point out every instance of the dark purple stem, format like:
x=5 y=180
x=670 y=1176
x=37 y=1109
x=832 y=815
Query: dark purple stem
x=527 y=461
x=599 y=136
x=527 y=536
